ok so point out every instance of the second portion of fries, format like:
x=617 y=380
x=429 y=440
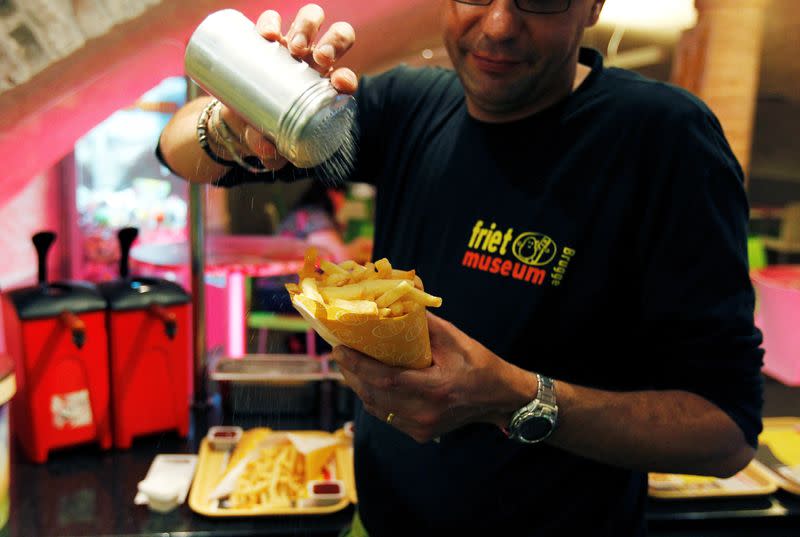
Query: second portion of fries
x=371 y=291
x=275 y=478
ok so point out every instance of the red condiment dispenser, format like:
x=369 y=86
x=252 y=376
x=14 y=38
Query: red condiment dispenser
x=56 y=334
x=150 y=349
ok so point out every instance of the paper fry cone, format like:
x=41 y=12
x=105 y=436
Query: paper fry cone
x=396 y=341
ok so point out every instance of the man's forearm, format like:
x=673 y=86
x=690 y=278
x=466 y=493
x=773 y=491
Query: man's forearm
x=180 y=149
x=666 y=431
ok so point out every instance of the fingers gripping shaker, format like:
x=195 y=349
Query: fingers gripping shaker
x=281 y=96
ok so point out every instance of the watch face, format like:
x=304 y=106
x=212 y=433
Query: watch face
x=535 y=428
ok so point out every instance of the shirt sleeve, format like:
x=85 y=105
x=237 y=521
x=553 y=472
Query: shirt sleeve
x=697 y=297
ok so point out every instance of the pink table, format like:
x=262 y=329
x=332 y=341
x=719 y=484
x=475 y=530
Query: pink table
x=778 y=316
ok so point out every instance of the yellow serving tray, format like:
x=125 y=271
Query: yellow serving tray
x=754 y=480
x=212 y=464
x=344 y=460
x=782 y=435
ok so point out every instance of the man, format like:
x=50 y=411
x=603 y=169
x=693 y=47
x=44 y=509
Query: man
x=586 y=229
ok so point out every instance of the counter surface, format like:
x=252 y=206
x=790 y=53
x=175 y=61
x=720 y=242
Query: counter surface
x=85 y=492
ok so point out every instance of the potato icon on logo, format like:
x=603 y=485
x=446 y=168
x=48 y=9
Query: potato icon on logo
x=534 y=249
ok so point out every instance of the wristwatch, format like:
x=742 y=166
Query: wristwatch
x=536 y=421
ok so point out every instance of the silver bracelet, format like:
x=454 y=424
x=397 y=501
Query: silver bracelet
x=223 y=132
x=202 y=134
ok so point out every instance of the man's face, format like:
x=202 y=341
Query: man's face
x=509 y=61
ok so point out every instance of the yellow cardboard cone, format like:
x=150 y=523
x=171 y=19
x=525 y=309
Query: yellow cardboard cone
x=396 y=341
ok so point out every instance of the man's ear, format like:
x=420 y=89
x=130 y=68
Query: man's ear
x=594 y=16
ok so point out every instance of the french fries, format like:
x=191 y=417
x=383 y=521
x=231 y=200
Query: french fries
x=396 y=293
x=309 y=288
x=276 y=478
x=356 y=307
x=350 y=288
x=374 y=308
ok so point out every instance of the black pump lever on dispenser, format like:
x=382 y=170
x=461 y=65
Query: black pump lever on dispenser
x=43 y=241
x=126 y=237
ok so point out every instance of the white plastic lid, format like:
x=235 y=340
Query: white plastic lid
x=160 y=490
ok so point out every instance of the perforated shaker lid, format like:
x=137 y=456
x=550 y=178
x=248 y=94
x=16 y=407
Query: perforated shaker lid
x=326 y=132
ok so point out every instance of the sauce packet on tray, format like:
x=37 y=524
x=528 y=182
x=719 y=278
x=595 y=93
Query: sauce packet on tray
x=375 y=309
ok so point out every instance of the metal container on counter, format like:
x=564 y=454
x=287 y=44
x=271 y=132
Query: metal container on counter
x=274 y=384
x=150 y=352
x=56 y=334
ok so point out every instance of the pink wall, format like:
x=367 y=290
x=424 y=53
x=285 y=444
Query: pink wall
x=40 y=120
x=35 y=207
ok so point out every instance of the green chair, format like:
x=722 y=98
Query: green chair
x=264 y=321
x=756 y=252
x=786 y=246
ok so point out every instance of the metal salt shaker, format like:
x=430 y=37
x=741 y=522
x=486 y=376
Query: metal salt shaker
x=281 y=96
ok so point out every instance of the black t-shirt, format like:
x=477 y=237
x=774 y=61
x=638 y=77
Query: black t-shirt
x=600 y=242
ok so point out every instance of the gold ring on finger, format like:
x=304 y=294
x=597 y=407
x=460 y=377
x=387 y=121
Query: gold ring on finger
x=389 y=418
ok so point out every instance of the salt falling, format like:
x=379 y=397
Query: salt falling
x=337 y=136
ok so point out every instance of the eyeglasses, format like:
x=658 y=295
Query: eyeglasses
x=540 y=7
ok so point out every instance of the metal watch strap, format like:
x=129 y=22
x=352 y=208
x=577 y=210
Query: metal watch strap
x=544 y=405
x=548 y=394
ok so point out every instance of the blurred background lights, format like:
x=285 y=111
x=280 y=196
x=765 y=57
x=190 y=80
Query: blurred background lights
x=672 y=15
